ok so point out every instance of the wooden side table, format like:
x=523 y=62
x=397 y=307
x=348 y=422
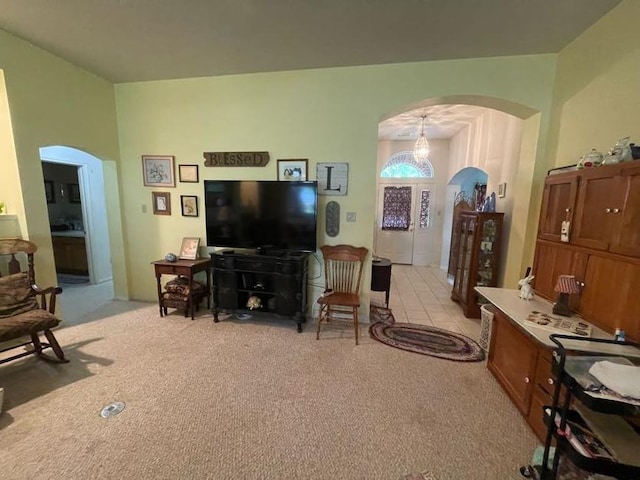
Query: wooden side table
x=186 y=268
x=381 y=277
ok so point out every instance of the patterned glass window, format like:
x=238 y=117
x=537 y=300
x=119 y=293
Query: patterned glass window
x=396 y=213
x=404 y=165
x=425 y=195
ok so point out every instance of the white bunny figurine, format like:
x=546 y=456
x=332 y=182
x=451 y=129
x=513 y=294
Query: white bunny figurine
x=526 y=291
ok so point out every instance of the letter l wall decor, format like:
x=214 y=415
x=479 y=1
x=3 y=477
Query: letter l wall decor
x=332 y=178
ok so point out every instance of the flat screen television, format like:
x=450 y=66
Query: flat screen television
x=261 y=214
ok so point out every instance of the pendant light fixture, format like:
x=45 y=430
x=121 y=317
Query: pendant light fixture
x=421 y=148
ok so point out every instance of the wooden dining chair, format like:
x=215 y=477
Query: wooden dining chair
x=343 y=266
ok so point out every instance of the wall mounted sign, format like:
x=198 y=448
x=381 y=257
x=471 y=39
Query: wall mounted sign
x=332 y=178
x=235 y=159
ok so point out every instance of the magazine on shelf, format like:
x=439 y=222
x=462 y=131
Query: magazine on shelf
x=573 y=326
x=583 y=440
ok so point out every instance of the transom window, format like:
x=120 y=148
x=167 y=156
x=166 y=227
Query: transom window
x=404 y=165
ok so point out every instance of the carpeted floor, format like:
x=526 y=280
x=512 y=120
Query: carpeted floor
x=251 y=399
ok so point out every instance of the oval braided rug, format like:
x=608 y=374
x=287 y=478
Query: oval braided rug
x=427 y=340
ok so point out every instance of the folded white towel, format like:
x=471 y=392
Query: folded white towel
x=623 y=379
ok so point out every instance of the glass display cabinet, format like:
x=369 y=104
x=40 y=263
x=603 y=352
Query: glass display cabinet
x=479 y=235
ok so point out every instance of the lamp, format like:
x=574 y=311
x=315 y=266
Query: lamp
x=421 y=148
x=565 y=286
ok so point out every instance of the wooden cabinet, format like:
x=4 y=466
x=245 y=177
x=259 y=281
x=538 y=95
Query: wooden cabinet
x=478 y=255
x=70 y=255
x=523 y=369
x=603 y=205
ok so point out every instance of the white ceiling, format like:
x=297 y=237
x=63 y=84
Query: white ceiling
x=139 y=40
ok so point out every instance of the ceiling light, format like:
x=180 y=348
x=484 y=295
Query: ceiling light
x=421 y=148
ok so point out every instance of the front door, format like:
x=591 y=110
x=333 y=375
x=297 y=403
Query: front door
x=395 y=222
x=405 y=231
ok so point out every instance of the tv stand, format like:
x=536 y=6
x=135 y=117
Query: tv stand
x=261 y=284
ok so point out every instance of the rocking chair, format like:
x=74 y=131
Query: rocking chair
x=23 y=305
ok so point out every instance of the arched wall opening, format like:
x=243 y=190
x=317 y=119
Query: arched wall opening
x=503 y=142
x=93 y=225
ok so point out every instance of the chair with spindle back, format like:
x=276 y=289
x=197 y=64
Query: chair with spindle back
x=25 y=309
x=343 y=266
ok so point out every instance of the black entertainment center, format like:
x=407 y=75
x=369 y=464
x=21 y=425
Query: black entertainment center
x=275 y=222
x=261 y=284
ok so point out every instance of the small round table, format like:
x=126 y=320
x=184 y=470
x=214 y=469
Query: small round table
x=381 y=277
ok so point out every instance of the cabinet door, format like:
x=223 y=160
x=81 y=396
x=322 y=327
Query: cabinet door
x=557 y=204
x=512 y=360
x=552 y=260
x=465 y=237
x=610 y=298
x=594 y=220
x=626 y=210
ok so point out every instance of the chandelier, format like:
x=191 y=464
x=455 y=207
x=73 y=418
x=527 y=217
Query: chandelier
x=421 y=148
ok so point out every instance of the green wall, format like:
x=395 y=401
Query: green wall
x=327 y=115
x=52 y=102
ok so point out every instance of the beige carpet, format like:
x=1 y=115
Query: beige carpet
x=251 y=400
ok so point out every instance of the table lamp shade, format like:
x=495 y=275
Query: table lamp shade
x=567 y=284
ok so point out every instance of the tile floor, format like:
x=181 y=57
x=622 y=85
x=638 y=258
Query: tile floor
x=418 y=295
x=423 y=295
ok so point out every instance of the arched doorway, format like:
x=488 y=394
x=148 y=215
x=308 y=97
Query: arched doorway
x=82 y=211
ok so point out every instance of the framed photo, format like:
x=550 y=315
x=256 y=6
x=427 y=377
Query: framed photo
x=157 y=171
x=502 y=190
x=188 y=173
x=293 y=170
x=189 y=205
x=189 y=248
x=49 y=192
x=161 y=203
x=332 y=178
x=74 y=192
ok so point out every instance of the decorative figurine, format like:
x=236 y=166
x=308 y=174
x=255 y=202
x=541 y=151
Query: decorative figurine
x=526 y=290
x=254 y=303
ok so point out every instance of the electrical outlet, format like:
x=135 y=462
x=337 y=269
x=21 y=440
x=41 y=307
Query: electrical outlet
x=144 y=208
x=351 y=216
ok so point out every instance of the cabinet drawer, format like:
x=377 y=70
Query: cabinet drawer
x=544 y=378
x=536 y=418
x=172 y=270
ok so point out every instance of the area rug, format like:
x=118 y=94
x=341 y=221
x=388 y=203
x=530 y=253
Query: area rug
x=380 y=314
x=428 y=341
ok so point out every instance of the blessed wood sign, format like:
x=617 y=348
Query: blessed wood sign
x=236 y=159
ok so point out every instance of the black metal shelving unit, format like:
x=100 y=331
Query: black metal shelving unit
x=572 y=434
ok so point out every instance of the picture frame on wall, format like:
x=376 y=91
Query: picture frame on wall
x=74 y=192
x=158 y=170
x=188 y=173
x=161 y=203
x=333 y=178
x=293 y=170
x=49 y=192
x=189 y=248
x=189 y=204
x=502 y=190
